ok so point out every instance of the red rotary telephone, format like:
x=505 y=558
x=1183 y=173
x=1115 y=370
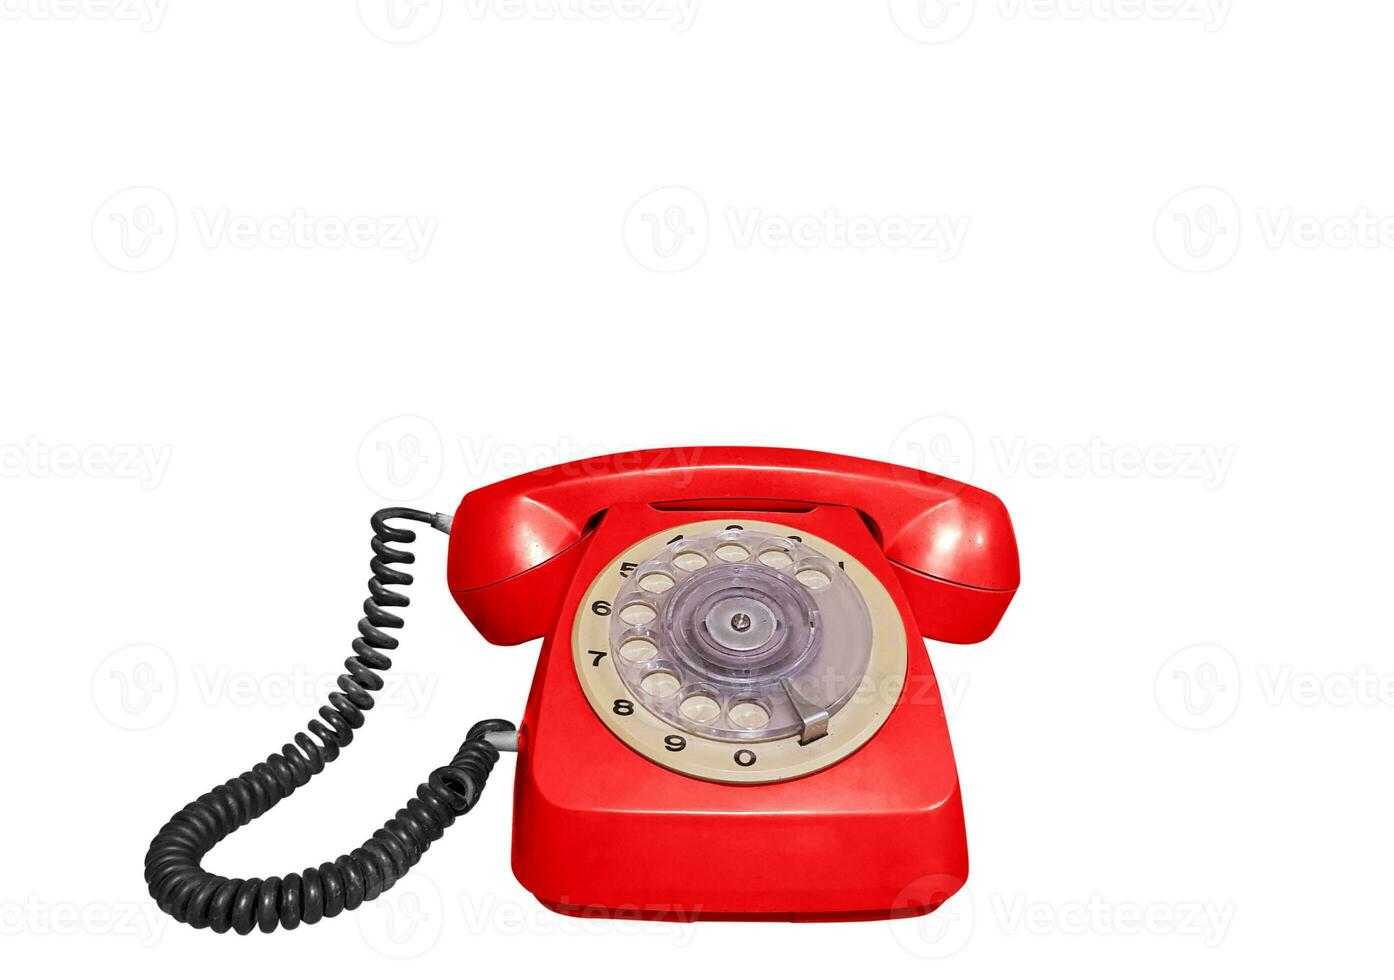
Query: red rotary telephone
x=732 y=715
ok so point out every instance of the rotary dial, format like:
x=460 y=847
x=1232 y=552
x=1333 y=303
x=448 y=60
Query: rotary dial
x=739 y=652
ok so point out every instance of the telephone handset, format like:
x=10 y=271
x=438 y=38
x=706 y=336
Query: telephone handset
x=731 y=717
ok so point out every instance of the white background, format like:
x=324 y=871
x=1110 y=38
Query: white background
x=971 y=242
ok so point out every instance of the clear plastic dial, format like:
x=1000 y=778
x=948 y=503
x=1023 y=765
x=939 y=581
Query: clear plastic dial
x=741 y=635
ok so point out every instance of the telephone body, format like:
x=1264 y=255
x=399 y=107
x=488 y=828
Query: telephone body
x=682 y=754
x=732 y=717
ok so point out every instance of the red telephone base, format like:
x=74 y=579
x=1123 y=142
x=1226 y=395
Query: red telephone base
x=599 y=830
x=580 y=912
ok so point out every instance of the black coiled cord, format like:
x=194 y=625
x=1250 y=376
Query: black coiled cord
x=184 y=890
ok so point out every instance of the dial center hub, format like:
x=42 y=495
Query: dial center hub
x=741 y=623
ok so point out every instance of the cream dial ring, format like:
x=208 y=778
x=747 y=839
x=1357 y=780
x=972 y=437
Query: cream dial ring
x=746 y=652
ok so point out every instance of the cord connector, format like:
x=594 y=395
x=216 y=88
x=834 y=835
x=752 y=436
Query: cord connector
x=503 y=741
